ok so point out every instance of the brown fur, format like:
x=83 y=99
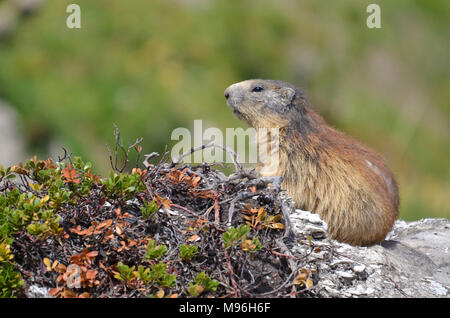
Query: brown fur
x=323 y=170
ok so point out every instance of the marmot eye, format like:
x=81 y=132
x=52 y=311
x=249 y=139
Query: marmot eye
x=257 y=89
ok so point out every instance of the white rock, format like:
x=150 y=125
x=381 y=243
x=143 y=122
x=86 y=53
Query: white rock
x=346 y=275
x=370 y=290
x=11 y=140
x=35 y=291
x=309 y=217
x=411 y=250
x=316 y=232
x=359 y=268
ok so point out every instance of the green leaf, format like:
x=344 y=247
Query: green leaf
x=155 y=251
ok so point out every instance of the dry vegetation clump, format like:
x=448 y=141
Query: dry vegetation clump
x=169 y=230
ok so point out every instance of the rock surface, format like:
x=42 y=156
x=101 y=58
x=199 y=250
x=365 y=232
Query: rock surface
x=11 y=12
x=11 y=141
x=413 y=261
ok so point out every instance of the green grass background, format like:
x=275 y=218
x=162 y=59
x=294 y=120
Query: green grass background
x=150 y=66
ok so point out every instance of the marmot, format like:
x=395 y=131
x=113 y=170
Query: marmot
x=323 y=170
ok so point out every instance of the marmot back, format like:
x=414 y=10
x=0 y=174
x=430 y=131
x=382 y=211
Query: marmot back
x=323 y=170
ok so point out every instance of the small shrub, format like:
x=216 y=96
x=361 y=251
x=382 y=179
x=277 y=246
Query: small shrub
x=159 y=275
x=188 y=252
x=233 y=235
x=125 y=273
x=149 y=209
x=203 y=283
x=10 y=281
x=123 y=186
x=155 y=251
x=143 y=275
x=251 y=246
x=156 y=275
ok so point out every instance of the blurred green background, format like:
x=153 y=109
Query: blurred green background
x=150 y=66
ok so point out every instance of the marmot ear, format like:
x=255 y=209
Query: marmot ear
x=287 y=95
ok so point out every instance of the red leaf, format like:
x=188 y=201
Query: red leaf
x=90 y=274
x=92 y=254
x=54 y=291
x=70 y=174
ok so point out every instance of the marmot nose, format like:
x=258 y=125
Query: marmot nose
x=227 y=93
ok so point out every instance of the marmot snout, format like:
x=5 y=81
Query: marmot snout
x=323 y=170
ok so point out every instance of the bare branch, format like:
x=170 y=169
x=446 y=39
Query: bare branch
x=119 y=147
x=234 y=156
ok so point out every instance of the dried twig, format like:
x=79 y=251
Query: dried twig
x=119 y=147
x=66 y=156
x=148 y=157
x=234 y=156
x=233 y=281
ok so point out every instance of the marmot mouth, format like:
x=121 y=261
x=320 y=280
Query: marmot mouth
x=236 y=112
x=242 y=117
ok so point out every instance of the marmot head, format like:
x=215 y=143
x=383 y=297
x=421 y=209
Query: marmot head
x=265 y=103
